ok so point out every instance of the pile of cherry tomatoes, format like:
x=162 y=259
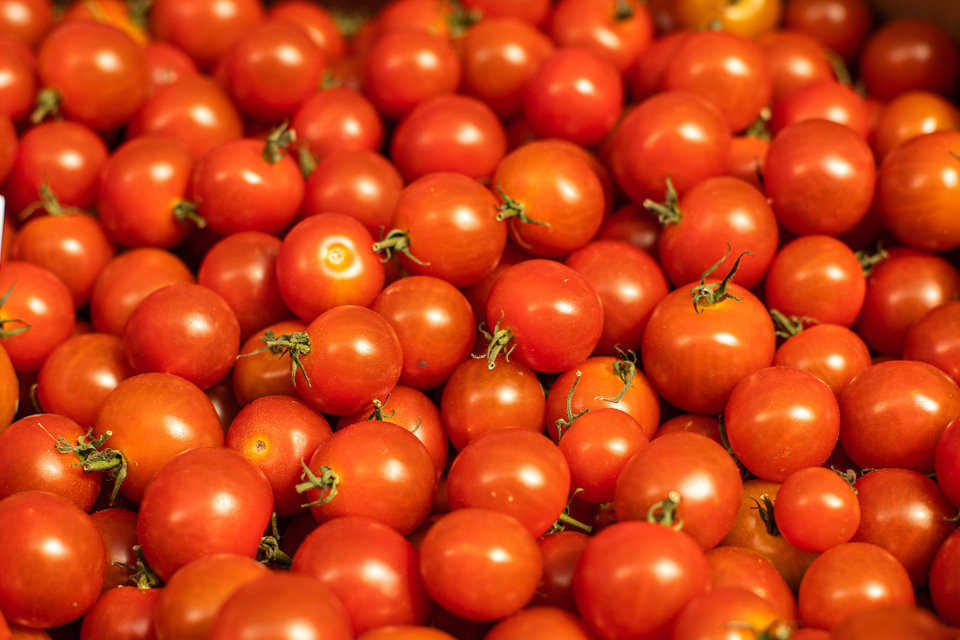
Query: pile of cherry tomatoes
x=503 y=319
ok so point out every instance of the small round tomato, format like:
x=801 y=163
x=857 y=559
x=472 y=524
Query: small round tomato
x=909 y=115
x=947 y=462
x=831 y=352
x=908 y=54
x=52 y=558
x=795 y=60
x=550 y=311
x=262 y=372
x=36 y=313
x=394 y=484
x=205 y=30
x=125 y=608
x=206 y=500
x=316 y=21
x=338 y=119
x=276 y=433
x=618 y=32
x=118 y=527
x=479 y=564
x=741 y=615
x=744 y=569
x=817 y=509
x=839 y=25
x=944 y=583
x=827 y=100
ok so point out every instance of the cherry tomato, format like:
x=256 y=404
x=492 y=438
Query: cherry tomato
x=26 y=21
x=392 y=595
x=909 y=115
x=38 y=299
x=825 y=100
x=831 y=352
x=817 y=509
x=890 y=623
x=338 y=119
x=540 y=623
x=748 y=19
x=947 y=462
x=18 y=87
x=908 y=54
x=124 y=613
x=118 y=527
x=479 y=564
x=740 y=613
x=618 y=32
x=839 y=25
x=742 y=568
x=944 y=586
x=205 y=30
x=531 y=11
x=316 y=21
x=264 y=373
x=167 y=63
x=52 y=558
x=193 y=595
x=795 y=60
x=9 y=390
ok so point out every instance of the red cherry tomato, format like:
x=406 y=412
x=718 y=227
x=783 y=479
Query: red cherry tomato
x=205 y=30
x=37 y=299
x=817 y=509
x=907 y=54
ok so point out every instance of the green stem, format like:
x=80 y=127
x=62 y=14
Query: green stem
x=499 y=340
x=787 y=327
x=624 y=368
x=327 y=482
x=307 y=162
x=667 y=212
x=296 y=345
x=869 y=260
x=186 y=212
x=622 y=11
x=514 y=209
x=850 y=476
x=665 y=511
x=712 y=294
x=9 y=333
x=143 y=576
x=395 y=241
x=564 y=424
x=275 y=147
x=48 y=202
x=765 y=507
x=378 y=413
x=47 y=104
x=270 y=547
x=93 y=459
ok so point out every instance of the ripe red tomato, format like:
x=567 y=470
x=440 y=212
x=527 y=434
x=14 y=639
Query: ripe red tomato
x=944 y=585
x=908 y=54
x=947 y=462
x=205 y=30
x=52 y=558
x=618 y=32
x=126 y=612
x=118 y=527
x=817 y=509
x=338 y=119
x=264 y=373
x=795 y=60
x=839 y=25
x=909 y=115
x=742 y=568
x=827 y=100
x=740 y=613
x=38 y=299
x=206 y=500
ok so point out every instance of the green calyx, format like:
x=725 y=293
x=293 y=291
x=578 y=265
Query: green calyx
x=143 y=576
x=565 y=423
x=514 y=209
x=765 y=506
x=665 y=512
x=296 y=345
x=499 y=340
x=789 y=326
x=268 y=552
x=667 y=211
x=277 y=143
x=397 y=240
x=93 y=459
x=708 y=295
x=327 y=482
x=624 y=368
x=9 y=333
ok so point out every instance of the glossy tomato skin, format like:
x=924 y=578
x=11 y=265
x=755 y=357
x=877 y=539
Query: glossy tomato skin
x=394 y=484
x=780 y=420
x=840 y=25
x=795 y=60
x=893 y=414
x=740 y=613
x=29 y=460
x=205 y=30
x=618 y=587
x=716 y=215
x=325 y=261
x=944 y=584
x=9 y=390
x=451 y=221
x=892 y=622
x=947 y=462
x=75 y=247
x=184 y=329
x=907 y=54
x=239 y=190
x=316 y=21
x=338 y=119
x=191 y=597
x=909 y=115
x=194 y=110
x=435 y=325
x=100 y=95
x=282 y=606
x=820 y=176
x=817 y=509
x=461 y=567
x=555 y=315
x=827 y=100
x=613 y=32
x=697 y=468
x=674 y=134
x=513 y=471
x=264 y=374
x=125 y=612
x=849 y=579
x=129 y=278
x=364 y=350
x=629 y=283
x=477 y=399
x=907 y=514
x=742 y=568
x=552 y=184
x=181 y=417
x=681 y=347
x=206 y=500
x=52 y=558
x=139 y=186
x=276 y=433
x=40 y=299
x=917 y=189
x=393 y=595
x=242 y=268
x=900 y=289
x=118 y=527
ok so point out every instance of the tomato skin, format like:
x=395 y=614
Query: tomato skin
x=629 y=283
x=181 y=418
x=817 y=509
x=742 y=568
x=540 y=623
x=513 y=471
x=555 y=315
x=697 y=468
x=477 y=399
x=395 y=484
x=29 y=461
x=680 y=348
x=944 y=583
x=276 y=433
x=461 y=567
x=795 y=60
x=674 y=134
x=190 y=599
x=204 y=501
x=74 y=247
x=602 y=28
x=908 y=54
x=947 y=462
x=820 y=176
x=184 y=329
x=338 y=119
x=848 y=579
x=840 y=25
x=393 y=595
x=910 y=115
x=827 y=100
x=282 y=606
x=40 y=299
x=118 y=527
x=264 y=374
x=780 y=420
x=907 y=514
x=9 y=390
x=202 y=28
x=326 y=261
x=894 y=622
x=918 y=191
x=364 y=350
x=619 y=590
x=139 y=186
x=315 y=21
x=716 y=611
x=52 y=558
x=26 y=21
x=124 y=613
x=167 y=63
x=99 y=95
x=560 y=552
x=893 y=413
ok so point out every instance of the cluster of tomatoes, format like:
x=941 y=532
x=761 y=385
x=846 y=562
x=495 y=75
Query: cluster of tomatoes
x=503 y=319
